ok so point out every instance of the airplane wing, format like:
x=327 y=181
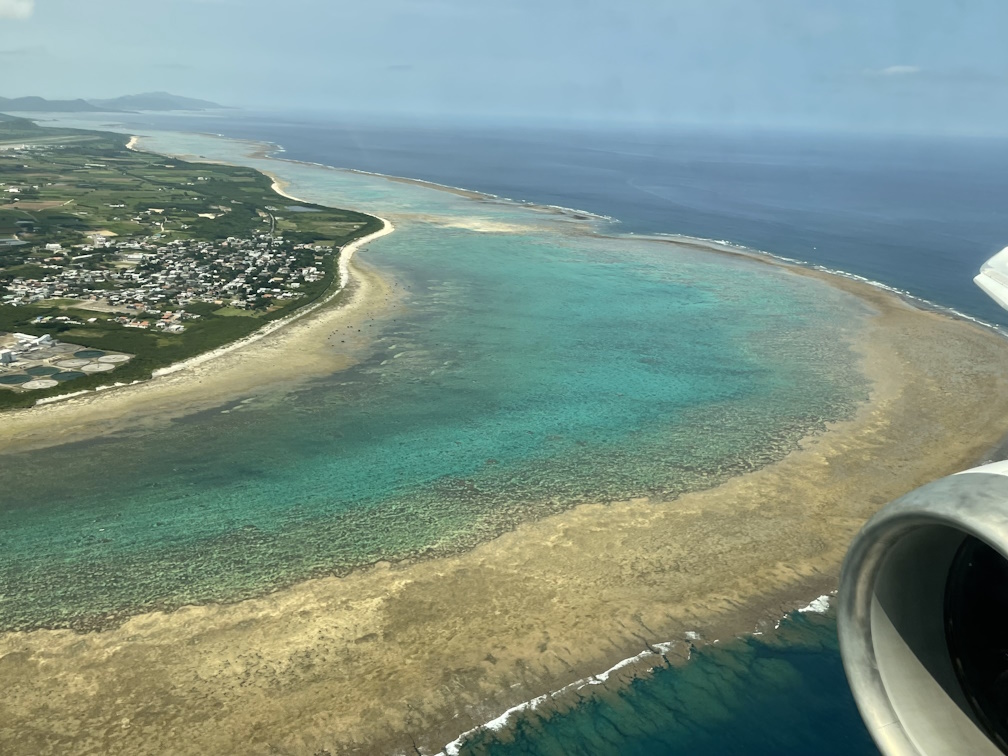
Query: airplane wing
x=993 y=278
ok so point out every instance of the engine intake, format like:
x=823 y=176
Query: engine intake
x=923 y=618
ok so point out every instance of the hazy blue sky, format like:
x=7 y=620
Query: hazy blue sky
x=915 y=65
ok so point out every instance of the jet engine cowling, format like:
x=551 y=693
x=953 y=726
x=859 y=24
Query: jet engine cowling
x=923 y=618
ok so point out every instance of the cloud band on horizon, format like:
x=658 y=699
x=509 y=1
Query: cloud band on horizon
x=18 y=10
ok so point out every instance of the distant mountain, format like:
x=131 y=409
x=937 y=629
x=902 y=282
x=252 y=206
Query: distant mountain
x=146 y=101
x=155 y=101
x=40 y=105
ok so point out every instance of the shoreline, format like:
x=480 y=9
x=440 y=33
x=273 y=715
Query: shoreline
x=280 y=359
x=422 y=650
x=25 y=429
x=346 y=255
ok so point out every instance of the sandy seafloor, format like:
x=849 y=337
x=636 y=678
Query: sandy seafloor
x=408 y=654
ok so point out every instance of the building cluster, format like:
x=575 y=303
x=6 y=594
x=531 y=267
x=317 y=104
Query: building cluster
x=152 y=276
x=24 y=343
x=168 y=321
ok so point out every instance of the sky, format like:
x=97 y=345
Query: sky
x=920 y=66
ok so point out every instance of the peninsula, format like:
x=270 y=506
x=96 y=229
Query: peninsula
x=143 y=261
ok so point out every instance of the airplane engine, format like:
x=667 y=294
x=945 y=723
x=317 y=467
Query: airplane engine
x=923 y=618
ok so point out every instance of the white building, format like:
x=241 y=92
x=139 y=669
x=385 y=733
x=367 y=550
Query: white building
x=26 y=339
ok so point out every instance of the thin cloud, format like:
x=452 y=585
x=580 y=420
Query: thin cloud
x=958 y=77
x=20 y=52
x=894 y=71
x=17 y=9
x=174 y=66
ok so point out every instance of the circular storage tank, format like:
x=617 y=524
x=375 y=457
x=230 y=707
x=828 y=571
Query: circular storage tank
x=97 y=367
x=40 y=383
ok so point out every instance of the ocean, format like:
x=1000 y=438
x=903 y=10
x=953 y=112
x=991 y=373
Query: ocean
x=762 y=696
x=334 y=476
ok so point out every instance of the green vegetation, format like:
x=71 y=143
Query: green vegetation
x=72 y=184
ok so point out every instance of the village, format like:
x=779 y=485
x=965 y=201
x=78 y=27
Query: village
x=153 y=278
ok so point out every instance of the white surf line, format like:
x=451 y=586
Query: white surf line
x=498 y=723
x=926 y=303
x=730 y=246
x=478 y=192
x=819 y=605
x=61 y=397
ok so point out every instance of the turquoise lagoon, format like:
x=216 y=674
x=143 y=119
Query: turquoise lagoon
x=543 y=361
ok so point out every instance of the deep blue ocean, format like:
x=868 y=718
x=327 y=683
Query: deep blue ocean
x=917 y=214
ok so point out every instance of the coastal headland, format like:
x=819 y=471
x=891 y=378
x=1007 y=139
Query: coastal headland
x=228 y=343
x=402 y=658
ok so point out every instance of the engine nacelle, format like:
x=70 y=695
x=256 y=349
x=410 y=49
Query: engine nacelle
x=923 y=618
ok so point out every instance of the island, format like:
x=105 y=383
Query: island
x=149 y=101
